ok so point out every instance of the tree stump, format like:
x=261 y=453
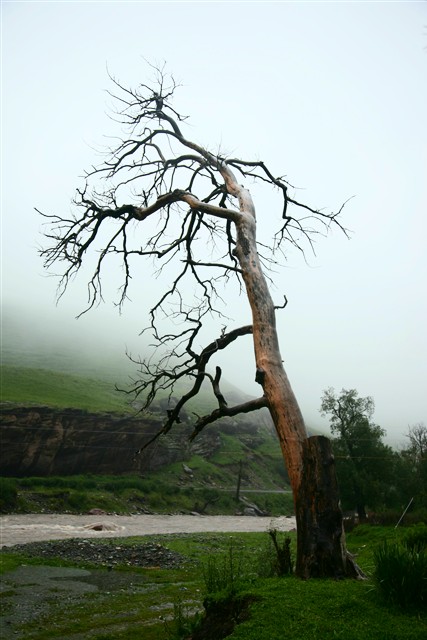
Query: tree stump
x=321 y=539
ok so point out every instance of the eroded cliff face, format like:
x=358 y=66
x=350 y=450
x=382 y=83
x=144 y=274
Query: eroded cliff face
x=39 y=441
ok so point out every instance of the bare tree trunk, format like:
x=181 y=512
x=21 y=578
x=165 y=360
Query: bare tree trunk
x=271 y=375
x=310 y=463
x=361 y=511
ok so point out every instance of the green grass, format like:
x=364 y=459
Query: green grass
x=401 y=575
x=315 y=610
x=280 y=607
x=160 y=492
x=42 y=386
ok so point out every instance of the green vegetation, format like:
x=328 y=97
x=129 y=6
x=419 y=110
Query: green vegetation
x=159 y=493
x=221 y=566
x=401 y=575
x=371 y=476
x=62 y=390
x=8 y=495
x=401 y=569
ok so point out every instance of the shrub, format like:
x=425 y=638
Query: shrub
x=401 y=575
x=8 y=495
x=223 y=574
x=392 y=517
x=183 y=623
x=415 y=538
x=78 y=501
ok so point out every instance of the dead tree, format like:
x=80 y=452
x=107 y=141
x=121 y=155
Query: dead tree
x=206 y=226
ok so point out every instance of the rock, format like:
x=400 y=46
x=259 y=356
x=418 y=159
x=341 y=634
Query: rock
x=42 y=441
x=187 y=470
x=96 y=512
x=252 y=509
x=109 y=554
x=102 y=526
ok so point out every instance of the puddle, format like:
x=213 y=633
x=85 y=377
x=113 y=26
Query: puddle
x=30 y=592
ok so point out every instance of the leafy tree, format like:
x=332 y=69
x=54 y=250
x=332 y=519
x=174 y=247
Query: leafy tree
x=161 y=196
x=417 y=435
x=414 y=457
x=365 y=465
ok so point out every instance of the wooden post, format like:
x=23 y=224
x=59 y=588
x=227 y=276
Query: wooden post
x=239 y=480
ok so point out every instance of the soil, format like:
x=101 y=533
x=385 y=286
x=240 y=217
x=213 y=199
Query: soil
x=221 y=616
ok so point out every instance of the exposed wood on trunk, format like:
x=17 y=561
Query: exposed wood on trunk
x=280 y=398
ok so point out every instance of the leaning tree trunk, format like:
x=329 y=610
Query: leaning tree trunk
x=311 y=469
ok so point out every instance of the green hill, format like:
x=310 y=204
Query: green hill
x=68 y=375
x=61 y=390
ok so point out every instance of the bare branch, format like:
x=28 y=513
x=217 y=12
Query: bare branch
x=154 y=173
x=282 y=306
x=224 y=411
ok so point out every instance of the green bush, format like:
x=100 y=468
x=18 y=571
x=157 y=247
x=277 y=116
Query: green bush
x=78 y=501
x=416 y=538
x=401 y=575
x=8 y=494
x=223 y=574
x=390 y=517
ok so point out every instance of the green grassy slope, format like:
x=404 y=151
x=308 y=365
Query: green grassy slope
x=52 y=388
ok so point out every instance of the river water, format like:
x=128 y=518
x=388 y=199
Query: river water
x=19 y=529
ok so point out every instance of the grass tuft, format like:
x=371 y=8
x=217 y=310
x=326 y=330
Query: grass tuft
x=401 y=575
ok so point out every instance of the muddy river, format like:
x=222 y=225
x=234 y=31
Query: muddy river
x=19 y=529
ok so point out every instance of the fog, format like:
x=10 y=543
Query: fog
x=332 y=95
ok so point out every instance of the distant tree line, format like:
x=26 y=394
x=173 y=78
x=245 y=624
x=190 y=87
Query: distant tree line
x=371 y=475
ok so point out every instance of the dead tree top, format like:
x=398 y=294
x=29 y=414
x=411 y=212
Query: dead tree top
x=155 y=172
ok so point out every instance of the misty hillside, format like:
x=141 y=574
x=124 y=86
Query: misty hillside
x=45 y=385
x=35 y=343
x=46 y=367
x=66 y=366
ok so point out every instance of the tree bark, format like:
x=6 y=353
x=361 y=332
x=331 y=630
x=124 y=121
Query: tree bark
x=271 y=374
x=321 y=539
x=361 y=511
x=309 y=461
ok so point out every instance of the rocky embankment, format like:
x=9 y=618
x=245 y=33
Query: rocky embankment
x=40 y=441
x=108 y=554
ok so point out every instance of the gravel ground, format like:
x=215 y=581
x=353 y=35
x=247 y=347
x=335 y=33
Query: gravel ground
x=30 y=592
x=106 y=555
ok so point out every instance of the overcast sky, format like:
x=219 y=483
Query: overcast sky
x=332 y=95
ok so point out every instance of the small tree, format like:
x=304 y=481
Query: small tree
x=415 y=460
x=365 y=465
x=417 y=435
x=206 y=226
